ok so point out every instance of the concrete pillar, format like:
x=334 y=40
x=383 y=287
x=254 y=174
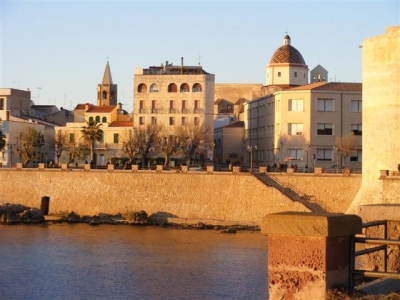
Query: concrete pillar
x=307 y=253
x=41 y=166
x=110 y=167
x=159 y=168
x=263 y=169
x=64 y=167
x=135 y=168
x=86 y=167
x=235 y=169
x=318 y=171
x=19 y=166
x=184 y=169
x=210 y=169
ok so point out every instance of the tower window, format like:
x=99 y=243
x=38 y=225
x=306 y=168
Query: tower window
x=104 y=95
x=279 y=74
x=104 y=120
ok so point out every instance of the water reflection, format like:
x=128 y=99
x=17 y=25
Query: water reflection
x=63 y=261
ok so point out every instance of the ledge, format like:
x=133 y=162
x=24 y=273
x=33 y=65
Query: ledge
x=390 y=212
x=310 y=224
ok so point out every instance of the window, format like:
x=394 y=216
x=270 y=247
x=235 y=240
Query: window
x=141 y=106
x=116 y=138
x=279 y=74
x=295 y=129
x=184 y=120
x=295 y=154
x=153 y=120
x=154 y=88
x=196 y=120
x=104 y=95
x=142 y=88
x=154 y=106
x=295 y=74
x=91 y=120
x=278 y=103
x=324 y=129
x=196 y=88
x=196 y=105
x=356 y=156
x=104 y=120
x=171 y=121
x=141 y=120
x=184 y=88
x=72 y=137
x=278 y=129
x=1 y=103
x=356 y=129
x=296 y=105
x=172 y=88
x=97 y=119
x=355 y=106
x=325 y=105
x=325 y=154
x=184 y=106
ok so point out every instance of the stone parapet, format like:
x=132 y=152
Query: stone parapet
x=307 y=253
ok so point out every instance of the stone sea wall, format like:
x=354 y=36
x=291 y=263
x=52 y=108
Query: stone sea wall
x=218 y=196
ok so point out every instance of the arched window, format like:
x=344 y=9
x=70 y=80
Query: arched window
x=172 y=88
x=104 y=95
x=91 y=120
x=142 y=88
x=184 y=88
x=97 y=119
x=154 y=88
x=197 y=88
x=104 y=120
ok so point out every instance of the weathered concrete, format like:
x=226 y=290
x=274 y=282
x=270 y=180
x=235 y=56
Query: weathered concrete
x=307 y=254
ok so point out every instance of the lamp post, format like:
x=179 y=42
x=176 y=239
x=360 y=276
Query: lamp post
x=251 y=148
x=336 y=149
x=307 y=149
x=11 y=152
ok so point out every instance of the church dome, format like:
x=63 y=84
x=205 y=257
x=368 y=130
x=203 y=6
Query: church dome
x=287 y=54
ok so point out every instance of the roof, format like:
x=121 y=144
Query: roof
x=121 y=124
x=235 y=125
x=107 y=79
x=101 y=109
x=83 y=106
x=330 y=86
x=287 y=54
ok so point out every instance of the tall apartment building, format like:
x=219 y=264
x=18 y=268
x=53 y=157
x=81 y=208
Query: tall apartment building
x=173 y=95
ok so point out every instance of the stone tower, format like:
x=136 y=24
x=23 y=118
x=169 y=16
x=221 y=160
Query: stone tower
x=107 y=91
x=380 y=116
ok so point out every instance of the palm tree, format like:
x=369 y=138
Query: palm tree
x=92 y=133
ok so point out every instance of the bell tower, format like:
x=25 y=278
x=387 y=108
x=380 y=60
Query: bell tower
x=107 y=91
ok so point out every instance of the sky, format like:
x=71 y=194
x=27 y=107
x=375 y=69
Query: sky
x=59 y=49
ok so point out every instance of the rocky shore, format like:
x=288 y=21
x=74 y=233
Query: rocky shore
x=11 y=214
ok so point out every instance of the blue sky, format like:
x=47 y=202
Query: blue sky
x=59 y=49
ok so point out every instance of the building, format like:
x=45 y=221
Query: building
x=107 y=90
x=14 y=107
x=172 y=96
x=301 y=123
x=116 y=124
x=228 y=144
x=380 y=117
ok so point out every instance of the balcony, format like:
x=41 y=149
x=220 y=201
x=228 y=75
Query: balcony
x=199 y=110
x=186 y=111
x=174 y=111
x=99 y=145
x=144 y=110
x=112 y=145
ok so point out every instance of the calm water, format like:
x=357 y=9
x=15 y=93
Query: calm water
x=63 y=261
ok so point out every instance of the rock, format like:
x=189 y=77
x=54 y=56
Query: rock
x=137 y=218
x=17 y=213
x=33 y=215
x=72 y=217
x=229 y=230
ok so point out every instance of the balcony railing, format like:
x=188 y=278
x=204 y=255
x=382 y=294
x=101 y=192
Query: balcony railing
x=99 y=145
x=186 y=111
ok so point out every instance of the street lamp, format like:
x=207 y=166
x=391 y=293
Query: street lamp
x=307 y=149
x=251 y=148
x=336 y=149
x=11 y=152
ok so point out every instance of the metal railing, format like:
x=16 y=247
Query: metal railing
x=382 y=245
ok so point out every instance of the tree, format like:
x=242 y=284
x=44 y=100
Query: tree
x=131 y=143
x=92 y=133
x=191 y=139
x=345 y=145
x=59 y=141
x=28 y=141
x=148 y=138
x=2 y=140
x=77 y=151
x=168 y=143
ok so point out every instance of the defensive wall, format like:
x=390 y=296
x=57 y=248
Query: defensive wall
x=195 y=195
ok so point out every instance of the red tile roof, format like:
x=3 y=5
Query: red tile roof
x=330 y=86
x=100 y=109
x=121 y=124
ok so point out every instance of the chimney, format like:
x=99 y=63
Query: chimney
x=181 y=62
